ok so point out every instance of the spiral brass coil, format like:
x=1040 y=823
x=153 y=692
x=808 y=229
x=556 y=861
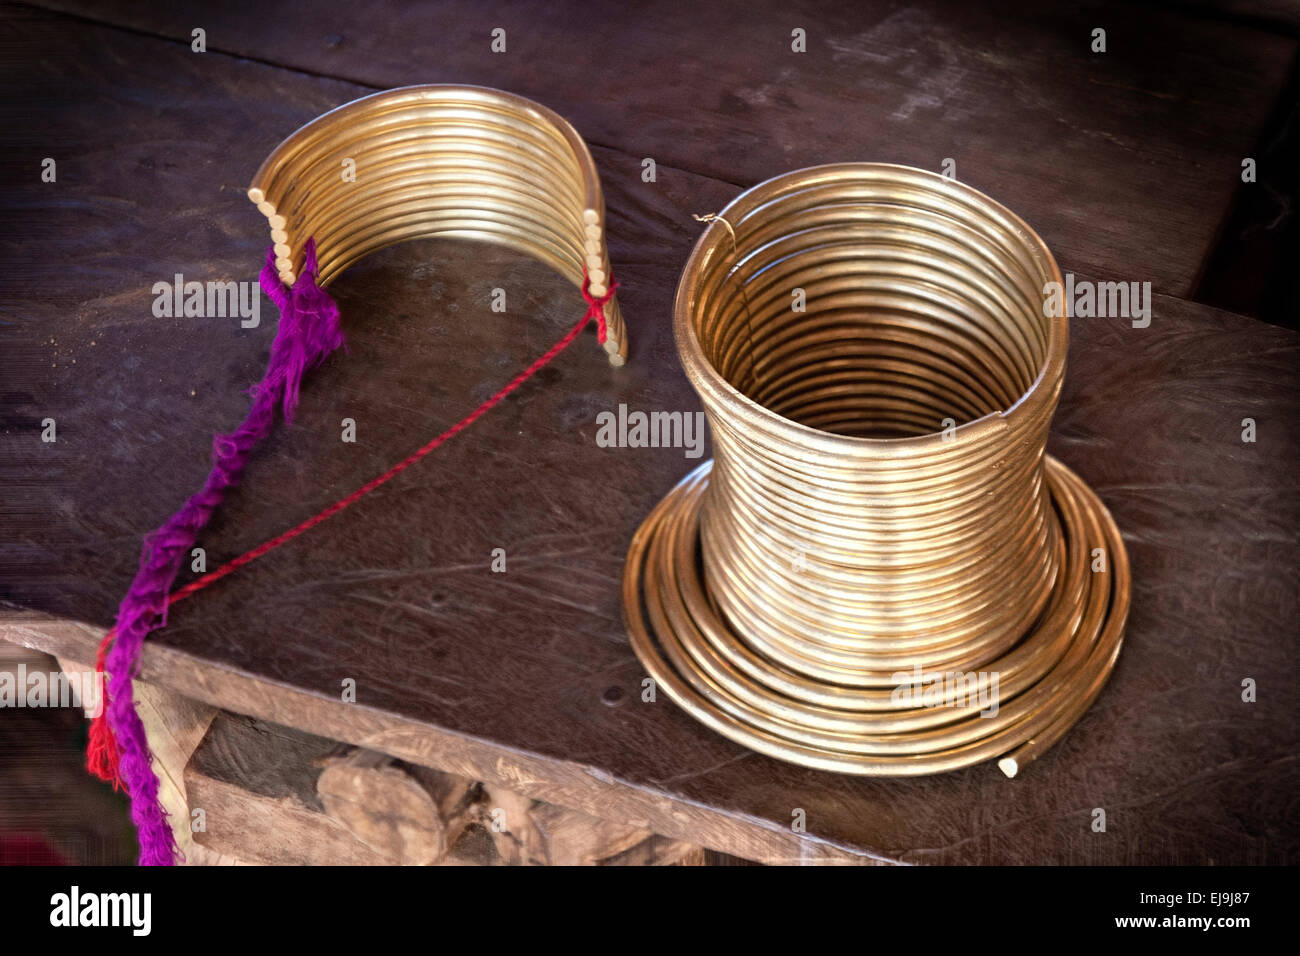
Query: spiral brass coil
x=439 y=160
x=880 y=514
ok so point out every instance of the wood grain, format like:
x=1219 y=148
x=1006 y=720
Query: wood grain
x=1125 y=161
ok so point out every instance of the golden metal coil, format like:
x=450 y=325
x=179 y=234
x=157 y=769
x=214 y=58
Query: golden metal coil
x=879 y=373
x=439 y=160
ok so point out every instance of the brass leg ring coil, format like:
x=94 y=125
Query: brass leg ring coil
x=706 y=668
x=958 y=595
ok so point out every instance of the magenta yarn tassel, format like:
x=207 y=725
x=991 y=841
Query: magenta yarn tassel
x=309 y=331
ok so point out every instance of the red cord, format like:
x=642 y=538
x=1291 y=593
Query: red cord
x=595 y=309
x=101 y=748
x=101 y=753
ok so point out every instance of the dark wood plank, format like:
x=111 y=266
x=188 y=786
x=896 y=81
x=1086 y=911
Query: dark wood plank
x=1126 y=162
x=1280 y=15
x=502 y=677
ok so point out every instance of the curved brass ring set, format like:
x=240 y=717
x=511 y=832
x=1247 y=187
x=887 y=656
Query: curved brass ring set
x=439 y=161
x=881 y=572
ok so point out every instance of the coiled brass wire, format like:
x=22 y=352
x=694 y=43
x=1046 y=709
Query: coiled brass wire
x=439 y=160
x=880 y=501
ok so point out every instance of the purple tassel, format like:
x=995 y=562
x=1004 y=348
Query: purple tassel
x=309 y=331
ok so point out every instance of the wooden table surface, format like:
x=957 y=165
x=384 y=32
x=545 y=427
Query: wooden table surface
x=1127 y=164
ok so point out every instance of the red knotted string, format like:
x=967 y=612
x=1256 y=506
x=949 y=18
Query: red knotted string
x=102 y=750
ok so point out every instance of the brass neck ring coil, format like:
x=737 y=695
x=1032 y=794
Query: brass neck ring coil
x=881 y=572
x=439 y=160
